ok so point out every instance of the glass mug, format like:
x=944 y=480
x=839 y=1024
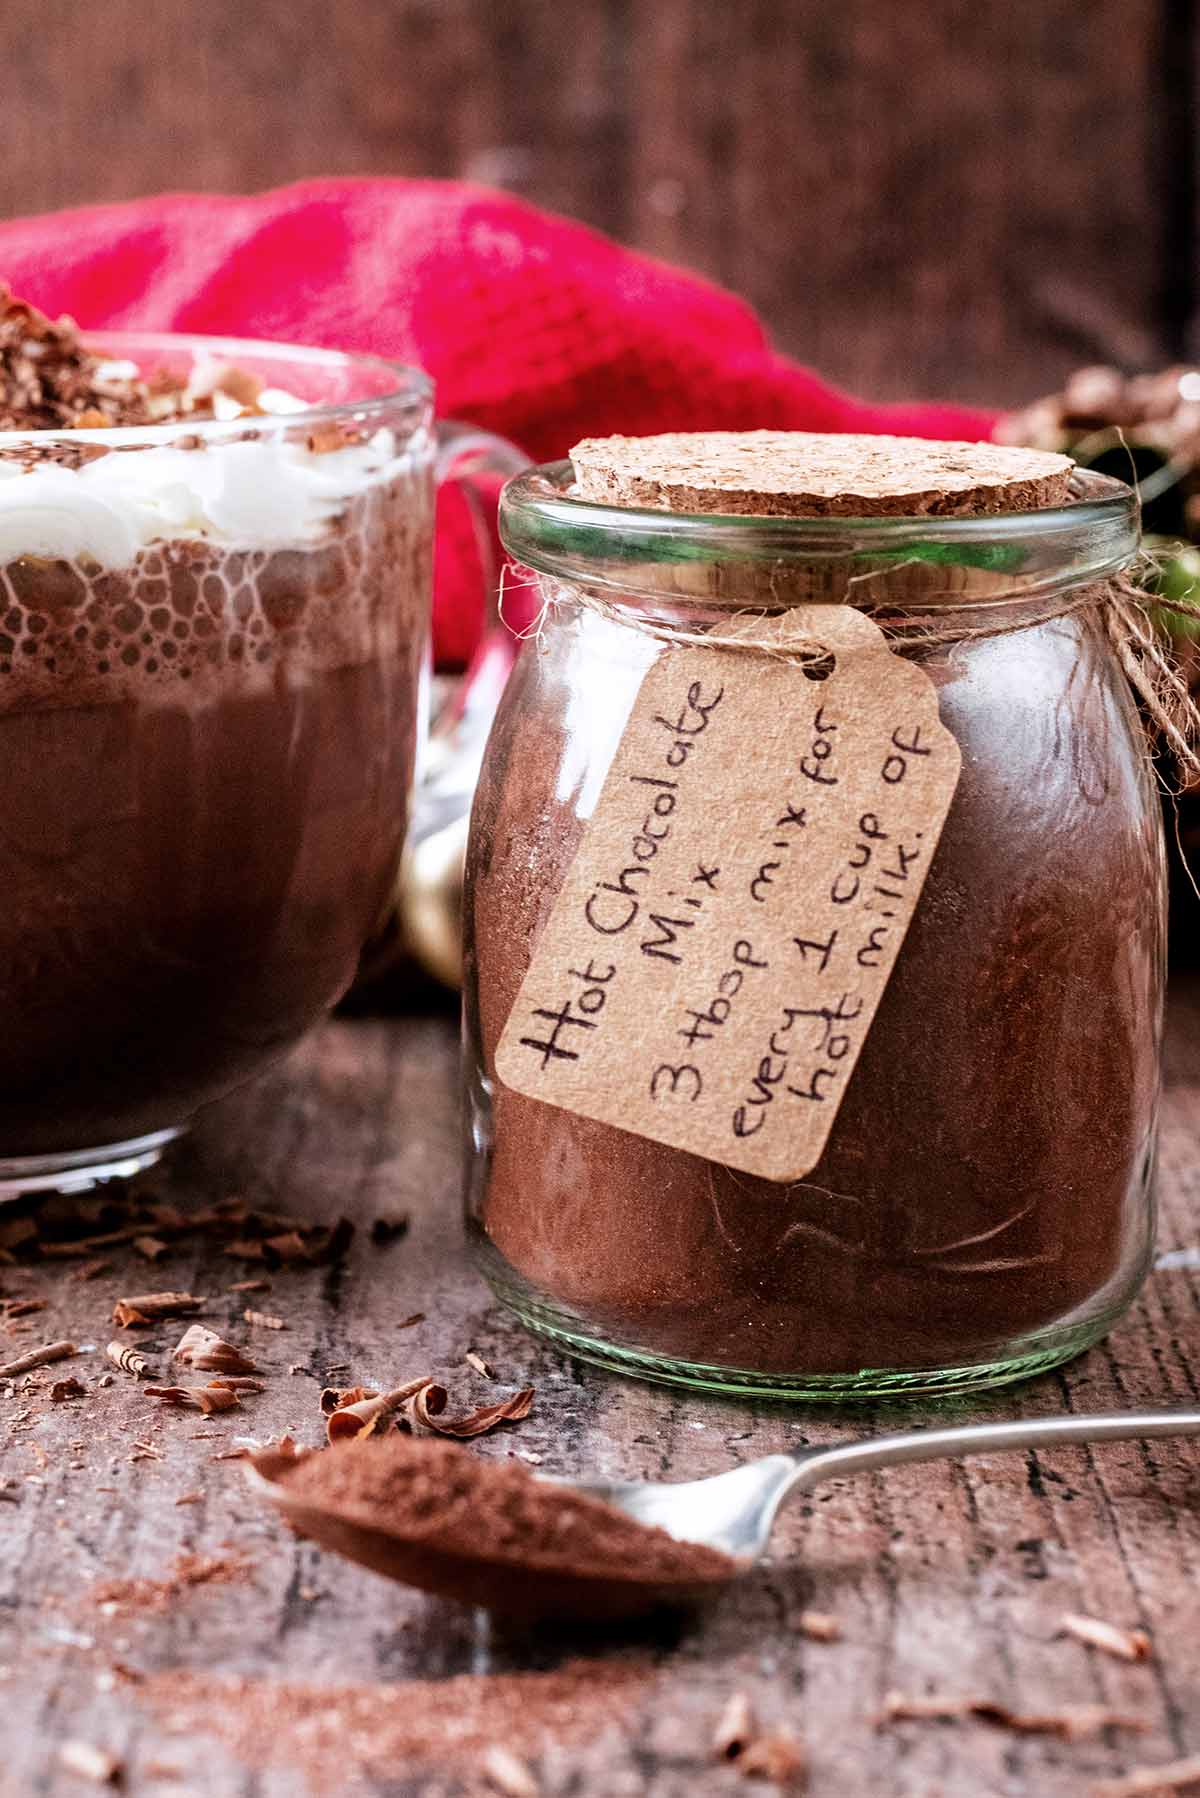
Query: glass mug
x=984 y=1206
x=213 y=677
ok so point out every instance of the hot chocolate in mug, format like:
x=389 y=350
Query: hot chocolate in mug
x=214 y=628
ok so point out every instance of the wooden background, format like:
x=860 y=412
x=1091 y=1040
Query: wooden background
x=942 y=198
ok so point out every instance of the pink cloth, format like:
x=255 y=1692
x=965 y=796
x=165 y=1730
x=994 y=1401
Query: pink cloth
x=531 y=325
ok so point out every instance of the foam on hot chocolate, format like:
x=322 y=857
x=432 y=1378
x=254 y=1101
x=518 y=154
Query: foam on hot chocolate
x=82 y=618
x=257 y=493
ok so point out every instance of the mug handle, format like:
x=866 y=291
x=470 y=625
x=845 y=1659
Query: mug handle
x=425 y=921
x=471 y=459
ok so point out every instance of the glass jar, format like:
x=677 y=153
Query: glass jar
x=983 y=1208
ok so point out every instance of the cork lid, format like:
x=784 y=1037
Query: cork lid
x=816 y=474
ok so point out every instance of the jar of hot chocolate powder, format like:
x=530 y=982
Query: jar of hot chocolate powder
x=815 y=914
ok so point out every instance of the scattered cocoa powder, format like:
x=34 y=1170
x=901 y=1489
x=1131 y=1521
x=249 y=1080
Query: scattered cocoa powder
x=489 y=1532
x=326 y=1735
x=123 y=1597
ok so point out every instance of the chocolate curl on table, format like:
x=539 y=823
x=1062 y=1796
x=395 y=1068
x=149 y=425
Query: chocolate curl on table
x=755 y=1752
x=145 y=1308
x=505 y=1772
x=1153 y=1782
x=54 y=1250
x=87 y=1761
x=16 y=1233
x=1073 y=1723
x=128 y=1359
x=736 y=1728
x=14 y=1308
x=307 y=1245
x=218 y=1395
x=38 y=1357
x=363 y=1413
x=207 y=1352
x=424 y=1407
x=336 y=1399
x=1109 y=1638
x=269 y=1238
x=420 y=1404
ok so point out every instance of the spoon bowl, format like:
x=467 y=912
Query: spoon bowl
x=508 y=1587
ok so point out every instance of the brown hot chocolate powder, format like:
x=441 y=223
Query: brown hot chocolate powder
x=495 y=1534
x=141 y=1597
x=329 y=1736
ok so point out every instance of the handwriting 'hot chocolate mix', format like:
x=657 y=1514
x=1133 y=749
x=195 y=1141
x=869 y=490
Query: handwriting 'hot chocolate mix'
x=736 y=969
x=974 y=1199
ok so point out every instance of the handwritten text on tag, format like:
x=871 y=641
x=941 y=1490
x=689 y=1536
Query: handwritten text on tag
x=719 y=948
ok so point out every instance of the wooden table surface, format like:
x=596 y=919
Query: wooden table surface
x=945 y=1579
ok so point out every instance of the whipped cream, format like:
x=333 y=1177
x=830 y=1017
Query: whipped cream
x=261 y=493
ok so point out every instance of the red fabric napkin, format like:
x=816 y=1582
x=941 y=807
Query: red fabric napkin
x=532 y=325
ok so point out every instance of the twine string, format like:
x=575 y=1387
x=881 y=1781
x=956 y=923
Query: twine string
x=1169 y=708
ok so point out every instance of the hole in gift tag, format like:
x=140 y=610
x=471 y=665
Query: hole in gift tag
x=821 y=668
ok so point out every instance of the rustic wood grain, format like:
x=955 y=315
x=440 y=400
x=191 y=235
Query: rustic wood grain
x=945 y=1578
x=939 y=199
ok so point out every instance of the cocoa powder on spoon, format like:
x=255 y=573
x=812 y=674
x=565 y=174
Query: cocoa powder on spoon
x=484 y=1532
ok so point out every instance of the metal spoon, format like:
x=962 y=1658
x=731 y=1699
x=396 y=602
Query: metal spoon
x=735 y=1511
x=731 y=1512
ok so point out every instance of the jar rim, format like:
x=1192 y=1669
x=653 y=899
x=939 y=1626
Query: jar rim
x=619 y=548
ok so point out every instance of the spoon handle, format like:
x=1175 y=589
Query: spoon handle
x=813 y=1465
